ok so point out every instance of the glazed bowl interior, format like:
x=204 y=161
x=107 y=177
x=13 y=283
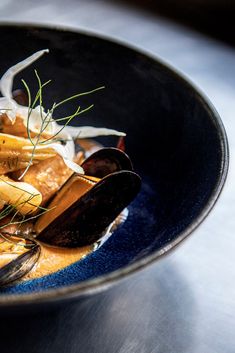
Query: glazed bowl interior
x=174 y=138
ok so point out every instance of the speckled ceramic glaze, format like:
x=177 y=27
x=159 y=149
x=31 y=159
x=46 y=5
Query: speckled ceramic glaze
x=174 y=137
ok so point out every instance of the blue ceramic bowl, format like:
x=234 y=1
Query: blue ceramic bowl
x=174 y=136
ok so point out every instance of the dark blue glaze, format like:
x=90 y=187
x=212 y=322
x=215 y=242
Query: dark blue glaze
x=173 y=137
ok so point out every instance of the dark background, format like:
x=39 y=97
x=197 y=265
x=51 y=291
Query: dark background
x=213 y=17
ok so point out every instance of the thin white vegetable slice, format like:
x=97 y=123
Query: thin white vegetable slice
x=6 y=81
x=91 y=131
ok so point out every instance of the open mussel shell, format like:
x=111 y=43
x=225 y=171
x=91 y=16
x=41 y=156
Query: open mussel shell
x=84 y=221
x=106 y=161
x=20 y=266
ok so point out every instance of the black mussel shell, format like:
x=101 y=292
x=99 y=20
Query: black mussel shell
x=106 y=161
x=84 y=221
x=20 y=266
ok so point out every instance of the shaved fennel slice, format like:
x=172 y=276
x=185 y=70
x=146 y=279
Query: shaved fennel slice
x=67 y=151
x=9 y=107
x=35 y=122
x=6 y=81
x=91 y=131
x=61 y=150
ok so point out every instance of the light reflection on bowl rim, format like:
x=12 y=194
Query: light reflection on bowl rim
x=96 y=285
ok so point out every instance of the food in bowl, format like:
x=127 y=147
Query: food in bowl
x=61 y=194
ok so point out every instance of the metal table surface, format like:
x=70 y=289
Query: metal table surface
x=186 y=301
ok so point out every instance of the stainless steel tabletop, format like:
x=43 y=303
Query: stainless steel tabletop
x=186 y=301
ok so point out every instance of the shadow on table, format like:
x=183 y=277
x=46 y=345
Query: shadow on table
x=213 y=17
x=143 y=314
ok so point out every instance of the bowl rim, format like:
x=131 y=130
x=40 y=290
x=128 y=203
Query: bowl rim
x=98 y=284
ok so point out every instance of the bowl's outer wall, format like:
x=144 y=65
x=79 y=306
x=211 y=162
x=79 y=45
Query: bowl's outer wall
x=172 y=137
